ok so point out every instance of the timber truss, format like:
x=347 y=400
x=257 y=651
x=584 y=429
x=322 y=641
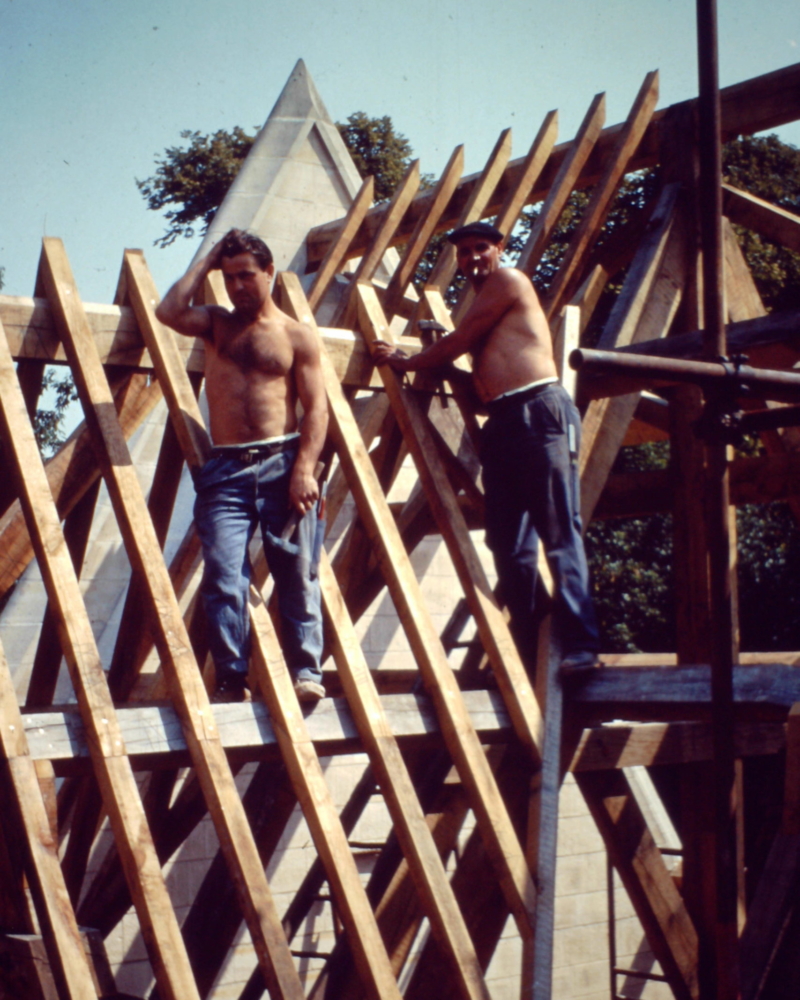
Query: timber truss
x=441 y=741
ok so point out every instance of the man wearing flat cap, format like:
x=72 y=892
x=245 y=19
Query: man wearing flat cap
x=529 y=445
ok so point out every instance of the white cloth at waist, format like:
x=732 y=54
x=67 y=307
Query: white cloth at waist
x=524 y=388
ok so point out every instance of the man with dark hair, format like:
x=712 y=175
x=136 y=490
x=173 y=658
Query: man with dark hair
x=529 y=446
x=259 y=363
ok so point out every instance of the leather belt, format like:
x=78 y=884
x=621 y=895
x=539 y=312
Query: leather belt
x=250 y=455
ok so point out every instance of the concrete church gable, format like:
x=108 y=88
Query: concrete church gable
x=298 y=174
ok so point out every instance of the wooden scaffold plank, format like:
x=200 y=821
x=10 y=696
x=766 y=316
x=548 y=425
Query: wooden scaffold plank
x=184 y=679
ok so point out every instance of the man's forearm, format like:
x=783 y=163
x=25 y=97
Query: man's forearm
x=437 y=355
x=179 y=298
x=313 y=431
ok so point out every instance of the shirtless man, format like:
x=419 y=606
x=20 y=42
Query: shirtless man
x=258 y=363
x=529 y=445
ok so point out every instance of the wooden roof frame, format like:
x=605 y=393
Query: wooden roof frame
x=513 y=789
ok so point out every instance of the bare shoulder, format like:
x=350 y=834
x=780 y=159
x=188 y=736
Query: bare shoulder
x=220 y=319
x=303 y=337
x=508 y=282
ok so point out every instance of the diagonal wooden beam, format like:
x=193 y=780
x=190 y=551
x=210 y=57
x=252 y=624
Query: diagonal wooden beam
x=481 y=901
x=565 y=180
x=445 y=267
x=567 y=277
x=518 y=194
x=461 y=738
x=109 y=757
x=510 y=673
x=70 y=473
x=645 y=307
x=183 y=676
x=371 y=260
x=776 y=223
x=46 y=663
x=754 y=105
x=422 y=234
x=54 y=910
x=407 y=816
x=323 y=820
x=214 y=919
x=338 y=249
x=647 y=879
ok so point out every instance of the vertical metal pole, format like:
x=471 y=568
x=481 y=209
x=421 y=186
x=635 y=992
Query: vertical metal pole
x=722 y=967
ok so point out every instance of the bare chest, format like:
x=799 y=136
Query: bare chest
x=256 y=349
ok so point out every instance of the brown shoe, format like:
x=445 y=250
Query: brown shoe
x=308 y=692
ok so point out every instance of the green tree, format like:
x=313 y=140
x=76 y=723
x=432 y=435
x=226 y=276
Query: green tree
x=769 y=168
x=59 y=389
x=195 y=178
x=378 y=150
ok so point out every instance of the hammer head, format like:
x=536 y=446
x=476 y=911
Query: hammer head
x=431 y=326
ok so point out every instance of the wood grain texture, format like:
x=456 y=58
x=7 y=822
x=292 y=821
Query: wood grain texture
x=185 y=683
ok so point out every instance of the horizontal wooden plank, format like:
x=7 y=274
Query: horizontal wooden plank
x=153 y=734
x=763 y=685
x=29 y=327
x=754 y=105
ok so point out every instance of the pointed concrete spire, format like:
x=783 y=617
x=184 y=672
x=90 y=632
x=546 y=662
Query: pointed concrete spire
x=300 y=97
x=298 y=174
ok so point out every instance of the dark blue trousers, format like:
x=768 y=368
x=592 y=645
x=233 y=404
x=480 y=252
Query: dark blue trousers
x=529 y=453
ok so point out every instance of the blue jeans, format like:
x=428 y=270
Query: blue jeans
x=529 y=453
x=233 y=497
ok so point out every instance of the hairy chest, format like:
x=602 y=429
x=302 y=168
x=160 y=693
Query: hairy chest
x=256 y=349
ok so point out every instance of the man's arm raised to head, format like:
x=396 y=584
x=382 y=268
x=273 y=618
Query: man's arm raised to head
x=499 y=293
x=176 y=309
x=310 y=385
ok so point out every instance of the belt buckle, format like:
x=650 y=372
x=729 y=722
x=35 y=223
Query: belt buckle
x=250 y=455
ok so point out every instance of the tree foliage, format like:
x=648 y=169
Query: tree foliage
x=59 y=389
x=770 y=169
x=195 y=178
x=378 y=150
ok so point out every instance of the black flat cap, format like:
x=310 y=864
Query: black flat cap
x=485 y=229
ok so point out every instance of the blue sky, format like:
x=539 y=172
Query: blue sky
x=92 y=90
